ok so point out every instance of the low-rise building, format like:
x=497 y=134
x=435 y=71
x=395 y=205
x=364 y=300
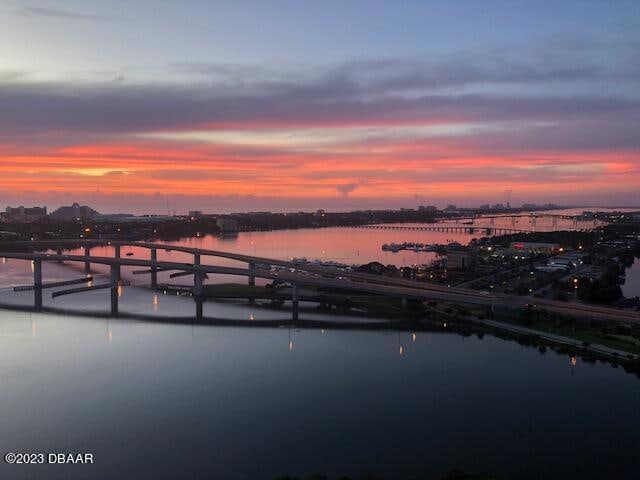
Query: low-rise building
x=536 y=247
x=227 y=225
x=24 y=214
x=461 y=259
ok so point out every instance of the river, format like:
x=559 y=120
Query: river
x=160 y=401
x=165 y=401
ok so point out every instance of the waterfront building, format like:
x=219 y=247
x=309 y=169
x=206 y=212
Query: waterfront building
x=536 y=247
x=227 y=225
x=24 y=214
x=74 y=212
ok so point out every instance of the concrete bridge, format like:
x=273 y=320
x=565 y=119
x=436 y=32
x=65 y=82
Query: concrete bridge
x=295 y=274
x=472 y=221
x=447 y=227
x=517 y=215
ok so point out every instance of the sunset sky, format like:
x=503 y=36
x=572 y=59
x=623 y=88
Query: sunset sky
x=255 y=105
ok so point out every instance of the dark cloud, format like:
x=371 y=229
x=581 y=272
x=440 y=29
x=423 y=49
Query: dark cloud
x=347 y=188
x=462 y=88
x=31 y=108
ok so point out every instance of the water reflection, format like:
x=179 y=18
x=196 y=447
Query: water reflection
x=151 y=388
x=108 y=331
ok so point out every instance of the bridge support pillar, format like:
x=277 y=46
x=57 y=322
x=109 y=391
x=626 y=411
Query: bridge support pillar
x=116 y=254
x=154 y=269
x=115 y=280
x=294 y=303
x=252 y=279
x=199 y=308
x=37 y=285
x=87 y=263
x=198 y=287
x=198 y=293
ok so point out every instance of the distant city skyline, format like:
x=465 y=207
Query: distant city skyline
x=236 y=106
x=144 y=205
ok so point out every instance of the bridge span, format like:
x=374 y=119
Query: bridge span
x=297 y=275
x=451 y=227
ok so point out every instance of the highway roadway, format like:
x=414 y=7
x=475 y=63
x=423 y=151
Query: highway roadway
x=328 y=277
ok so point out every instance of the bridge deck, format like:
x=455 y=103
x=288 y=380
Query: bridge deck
x=303 y=275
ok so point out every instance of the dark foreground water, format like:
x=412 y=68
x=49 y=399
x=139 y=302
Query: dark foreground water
x=175 y=401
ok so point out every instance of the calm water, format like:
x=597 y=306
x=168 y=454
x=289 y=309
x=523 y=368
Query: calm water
x=174 y=401
x=158 y=400
x=345 y=245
